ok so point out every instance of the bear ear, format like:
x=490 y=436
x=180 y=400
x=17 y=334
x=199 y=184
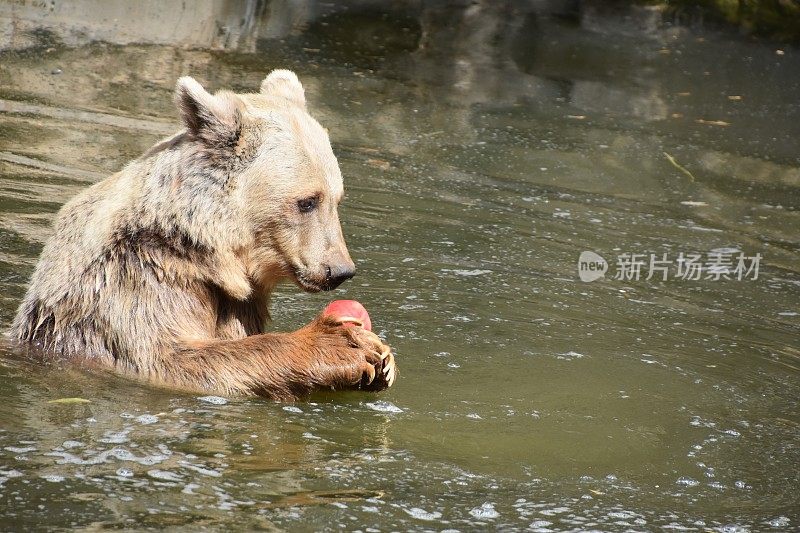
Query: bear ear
x=284 y=84
x=215 y=119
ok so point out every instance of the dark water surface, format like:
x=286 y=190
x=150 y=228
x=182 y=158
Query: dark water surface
x=484 y=148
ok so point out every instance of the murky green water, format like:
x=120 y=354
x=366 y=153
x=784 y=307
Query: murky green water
x=483 y=150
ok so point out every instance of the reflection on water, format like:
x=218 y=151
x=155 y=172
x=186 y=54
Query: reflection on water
x=484 y=147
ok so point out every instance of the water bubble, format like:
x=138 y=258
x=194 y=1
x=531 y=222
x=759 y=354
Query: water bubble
x=485 y=511
x=467 y=273
x=422 y=514
x=201 y=469
x=781 y=521
x=292 y=409
x=214 y=400
x=53 y=478
x=116 y=437
x=163 y=448
x=124 y=472
x=5 y=475
x=554 y=511
x=121 y=454
x=733 y=528
x=384 y=407
x=20 y=449
x=687 y=481
x=149 y=460
x=147 y=419
x=163 y=475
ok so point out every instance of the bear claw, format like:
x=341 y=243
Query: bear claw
x=389 y=369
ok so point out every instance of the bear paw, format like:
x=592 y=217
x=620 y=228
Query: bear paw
x=379 y=370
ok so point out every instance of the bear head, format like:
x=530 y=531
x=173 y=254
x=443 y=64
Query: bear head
x=274 y=164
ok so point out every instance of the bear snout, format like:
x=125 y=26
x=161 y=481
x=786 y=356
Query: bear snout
x=336 y=275
x=327 y=278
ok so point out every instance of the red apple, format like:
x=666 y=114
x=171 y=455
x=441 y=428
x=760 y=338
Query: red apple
x=344 y=309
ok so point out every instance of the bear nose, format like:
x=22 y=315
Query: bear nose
x=335 y=276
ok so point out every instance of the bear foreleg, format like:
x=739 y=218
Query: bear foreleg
x=285 y=366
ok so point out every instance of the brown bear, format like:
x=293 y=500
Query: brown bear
x=164 y=270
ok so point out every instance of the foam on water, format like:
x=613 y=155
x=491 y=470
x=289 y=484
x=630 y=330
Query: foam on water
x=214 y=400
x=422 y=514
x=485 y=511
x=383 y=406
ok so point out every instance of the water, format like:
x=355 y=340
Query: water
x=484 y=148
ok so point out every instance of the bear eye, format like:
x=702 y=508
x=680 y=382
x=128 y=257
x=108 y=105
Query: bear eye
x=308 y=204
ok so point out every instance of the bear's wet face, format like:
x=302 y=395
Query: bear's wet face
x=307 y=238
x=335 y=267
x=289 y=186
